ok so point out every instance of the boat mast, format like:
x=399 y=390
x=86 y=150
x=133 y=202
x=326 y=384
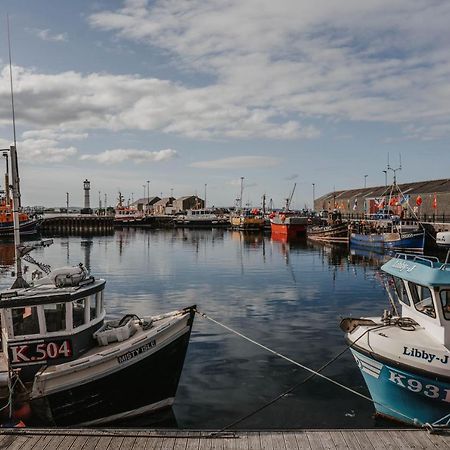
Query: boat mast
x=19 y=281
x=242 y=193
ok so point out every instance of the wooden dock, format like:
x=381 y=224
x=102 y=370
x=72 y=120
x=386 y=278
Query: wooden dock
x=137 y=439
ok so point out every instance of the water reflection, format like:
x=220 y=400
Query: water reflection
x=286 y=295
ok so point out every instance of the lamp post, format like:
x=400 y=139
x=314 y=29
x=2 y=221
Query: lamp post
x=148 y=191
x=314 y=196
x=205 y=194
x=365 y=181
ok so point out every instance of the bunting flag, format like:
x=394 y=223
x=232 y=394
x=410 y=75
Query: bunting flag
x=379 y=203
x=435 y=201
x=355 y=205
x=393 y=201
x=418 y=200
x=404 y=200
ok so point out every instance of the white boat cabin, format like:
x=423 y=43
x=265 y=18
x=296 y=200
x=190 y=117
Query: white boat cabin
x=52 y=321
x=422 y=286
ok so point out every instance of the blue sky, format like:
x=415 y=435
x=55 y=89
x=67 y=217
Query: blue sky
x=188 y=93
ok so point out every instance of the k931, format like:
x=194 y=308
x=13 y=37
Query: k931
x=40 y=351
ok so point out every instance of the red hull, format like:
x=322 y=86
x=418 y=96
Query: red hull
x=289 y=230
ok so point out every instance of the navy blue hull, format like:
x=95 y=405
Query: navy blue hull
x=406 y=241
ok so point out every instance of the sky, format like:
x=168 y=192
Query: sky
x=188 y=93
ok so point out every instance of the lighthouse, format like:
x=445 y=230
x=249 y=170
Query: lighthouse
x=87 y=187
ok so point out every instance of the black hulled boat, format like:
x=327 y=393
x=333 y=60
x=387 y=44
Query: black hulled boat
x=63 y=364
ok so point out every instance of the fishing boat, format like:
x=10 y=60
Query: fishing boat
x=247 y=219
x=201 y=218
x=390 y=234
x=124 y=215
x=404 y=356
x=289 y=224
x=28 y=226
x=333 y=229
x=63 y=364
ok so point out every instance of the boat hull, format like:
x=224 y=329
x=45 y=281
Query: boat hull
x=143 y=385
x=289 y=230
x=402 y=394
x=331 y=233
x=26 y=228
x=414 y=241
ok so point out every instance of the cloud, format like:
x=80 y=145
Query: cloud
x=74 y=101
x=295 y=60
x=137 y=156
x=238 y=162
x=44 y=150
x=46 y=35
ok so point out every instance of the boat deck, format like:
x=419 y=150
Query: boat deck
x=136 y=439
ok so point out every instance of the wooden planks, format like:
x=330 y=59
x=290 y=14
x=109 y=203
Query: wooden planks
x=131 y=439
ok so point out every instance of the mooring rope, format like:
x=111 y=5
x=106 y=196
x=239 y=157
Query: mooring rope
x=308 y=369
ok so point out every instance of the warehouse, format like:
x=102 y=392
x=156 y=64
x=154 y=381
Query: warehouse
x=422 y=198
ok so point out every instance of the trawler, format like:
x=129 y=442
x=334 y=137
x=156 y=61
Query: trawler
x=404 y=356
x=63 y=364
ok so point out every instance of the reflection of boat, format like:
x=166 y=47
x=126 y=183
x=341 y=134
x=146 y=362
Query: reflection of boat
x=201 y=218
x=288 y=224
x=63 y=364
x=7 y=254
x=374 y=255
x=405 y=358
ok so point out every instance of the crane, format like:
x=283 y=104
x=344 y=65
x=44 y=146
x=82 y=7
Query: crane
x=289 y=200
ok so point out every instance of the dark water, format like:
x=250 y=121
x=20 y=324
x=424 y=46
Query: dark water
x=288 y=296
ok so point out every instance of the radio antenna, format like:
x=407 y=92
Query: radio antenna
x=11 y=82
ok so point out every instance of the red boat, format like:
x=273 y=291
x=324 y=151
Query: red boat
x=286 y=224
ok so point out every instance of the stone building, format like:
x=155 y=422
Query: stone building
x=425 y=198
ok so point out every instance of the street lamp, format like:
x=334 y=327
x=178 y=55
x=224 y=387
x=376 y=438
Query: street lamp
x=365 y=180
x=314 y=196
x=205 y=194
x=148 y=191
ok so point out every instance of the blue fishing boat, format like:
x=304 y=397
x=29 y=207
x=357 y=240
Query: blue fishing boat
x=404 y=356
x=387 y=235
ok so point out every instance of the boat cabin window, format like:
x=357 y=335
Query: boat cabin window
x=55 y=317
x=422 y=298
x=78 y=308
x=25 y=320
x=445 y=301
x=401 y=290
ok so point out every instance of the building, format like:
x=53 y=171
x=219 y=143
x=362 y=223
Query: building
x=188 y=202
x=425 y=198
x=164 y=206
x=145 y=204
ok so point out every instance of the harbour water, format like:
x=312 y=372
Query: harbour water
x=288 y=296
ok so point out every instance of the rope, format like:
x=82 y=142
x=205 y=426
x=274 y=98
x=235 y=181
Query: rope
x=313 y=372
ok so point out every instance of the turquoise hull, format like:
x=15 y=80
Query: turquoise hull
x=404 y=395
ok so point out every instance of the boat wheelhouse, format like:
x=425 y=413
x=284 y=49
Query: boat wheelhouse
x=404 y=356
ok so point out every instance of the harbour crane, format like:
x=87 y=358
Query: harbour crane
x=289 y=200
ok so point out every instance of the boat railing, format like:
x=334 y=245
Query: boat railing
x=430 y=260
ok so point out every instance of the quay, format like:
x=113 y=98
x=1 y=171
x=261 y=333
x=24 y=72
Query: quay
x=139 y=439
x=77 y=223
